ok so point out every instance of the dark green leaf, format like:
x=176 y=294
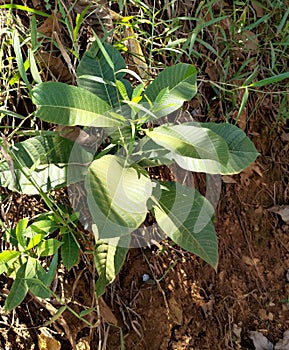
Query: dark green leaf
x=95 y=74
x=186 y=217
x=64 y=104
x=69 y=250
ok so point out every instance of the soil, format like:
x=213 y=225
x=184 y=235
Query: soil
x=185 y=304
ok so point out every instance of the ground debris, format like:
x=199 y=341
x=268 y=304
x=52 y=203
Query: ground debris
x=262 y=343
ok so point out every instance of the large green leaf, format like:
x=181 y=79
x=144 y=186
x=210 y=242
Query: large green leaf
x=117 y=196
x=186 y=217
x=95 y=74
x=44 y=159
x=242 y=151
x=64 y=104
x=193 y=148
x=171 y=88
x=109 y=257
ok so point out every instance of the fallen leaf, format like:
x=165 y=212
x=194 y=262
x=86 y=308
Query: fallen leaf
x=282 y=210
x=176 y=311
x=212 y=71
x=250 y=261
x=48 y=26
x=228 y=179
x=208 y=307
x=83 y=344
x=249 y=41
x=242 y=119
x=260 y=341
x=47 y=342
x=284 y=137
x=283 y=344
x=106 y=312
x=54 y=64
x=259 y=10
x=76 y=134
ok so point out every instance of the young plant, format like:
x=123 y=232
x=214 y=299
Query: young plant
x=30 y=243
x=132 y=133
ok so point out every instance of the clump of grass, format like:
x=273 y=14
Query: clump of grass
x=233 y=46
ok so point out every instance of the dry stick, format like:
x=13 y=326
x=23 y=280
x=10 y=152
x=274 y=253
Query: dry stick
x=251 y=253
x=64 y=54
x=52 y=310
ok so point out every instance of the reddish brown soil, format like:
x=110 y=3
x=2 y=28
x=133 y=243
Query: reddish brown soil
x=186 y=304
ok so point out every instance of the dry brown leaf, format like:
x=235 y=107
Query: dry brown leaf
x=76 y=134
x=83 y=344
x=212 y=71
x=245 y=179
x=228 y=179
x=247 y=173
x=54 y=64
x=259 y=10
x=284 y=136
x=250 y=261
x=106 y=312
x=242 y=119
x=176 y=311
x=47 y=342
x=47 y=27
x=137 y=55
x=208 y=307
x=250 y=40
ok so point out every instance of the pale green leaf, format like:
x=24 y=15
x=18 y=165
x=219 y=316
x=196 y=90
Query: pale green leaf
x=36 y=280
x=271 y=80
x=19 y=58
x=7 y=255
x=148 y=153
x=41 y=226
x=109 y=257
x=242 y=151
x=44 y=159
x=35 y=240
x=186 y=217
x=193 y=148
x=117 y=195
